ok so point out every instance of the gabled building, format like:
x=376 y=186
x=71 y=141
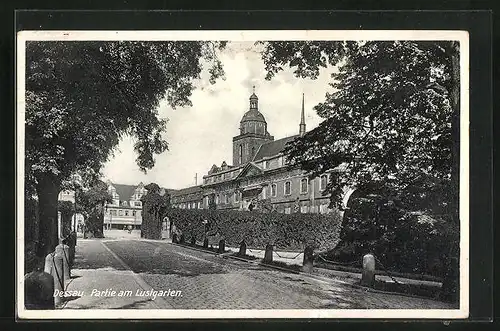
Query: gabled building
x=126 y=207
x=259 y=174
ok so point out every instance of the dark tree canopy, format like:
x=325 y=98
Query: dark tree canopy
x=390 y=128
x=387 y=121
x=81 y=97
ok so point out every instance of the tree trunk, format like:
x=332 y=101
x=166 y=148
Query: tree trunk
x=47 y=189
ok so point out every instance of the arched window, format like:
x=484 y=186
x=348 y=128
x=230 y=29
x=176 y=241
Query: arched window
x=323 y=182
x=241 y=154
x=303 y=185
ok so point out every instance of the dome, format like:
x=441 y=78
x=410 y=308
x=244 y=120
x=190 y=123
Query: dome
x=253 y=115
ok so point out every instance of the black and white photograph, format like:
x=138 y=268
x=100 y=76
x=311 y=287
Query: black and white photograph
x=242 y=174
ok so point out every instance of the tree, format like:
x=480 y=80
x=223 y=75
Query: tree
x=212 y=205
x=90 y=203
x=390 y=121
x=154 y=206
x=67 y=209
x=82 y=97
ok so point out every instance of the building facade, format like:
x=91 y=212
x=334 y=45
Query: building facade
x=126 y=207
x=259 y=175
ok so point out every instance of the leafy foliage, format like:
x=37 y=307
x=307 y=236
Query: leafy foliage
x=390 y=127
x=82 y=97
x=403 y=241
x=286 y=231
x=90 y=203
x=67 y=209
x=154 y=206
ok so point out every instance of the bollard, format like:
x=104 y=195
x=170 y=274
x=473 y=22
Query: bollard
x=243 y=248
x=222 y=246
x=307 y=263
x=49 y=264
x=205 y=243
x=268 y=255
x=368 y=275
x=63 y=250
x=54 y=267
x=39 y=290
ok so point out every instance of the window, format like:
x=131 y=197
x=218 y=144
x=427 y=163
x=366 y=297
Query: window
x=120 y=212
x=253 y=151
x=236 y=197
x=137 y=203
x=241 y=154
x=323 y=182
x=263 y=193
x=226 y=198
x=199 y=204
x=113 y=212
x=133 y=212
x=217 y=199
x=323 y=208
x=303 y=185
x=288 y=188
x=288 y=210
x=304 y=209
x=267 y=164
x=274 y=190
x=126 y=212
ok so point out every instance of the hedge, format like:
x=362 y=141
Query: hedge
x=257 y=229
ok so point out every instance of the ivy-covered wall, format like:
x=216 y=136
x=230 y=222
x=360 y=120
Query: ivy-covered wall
x=285 y=231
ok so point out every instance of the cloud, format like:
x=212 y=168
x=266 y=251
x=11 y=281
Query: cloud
x=201 y=135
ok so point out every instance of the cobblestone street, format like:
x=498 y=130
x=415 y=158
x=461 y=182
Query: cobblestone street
x=208 y=281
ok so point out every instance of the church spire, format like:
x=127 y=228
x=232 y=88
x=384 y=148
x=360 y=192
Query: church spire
x=254 y=101
x=302 y=126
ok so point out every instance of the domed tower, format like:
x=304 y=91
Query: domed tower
x=253 y=133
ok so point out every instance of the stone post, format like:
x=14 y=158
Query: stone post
x=54 y=267
x=205 y=242
x=222 y=246
x=63 y=251
x=307 y=263
x=368 y=275
x=39 y=291
x=268 y=255
x=243 y=248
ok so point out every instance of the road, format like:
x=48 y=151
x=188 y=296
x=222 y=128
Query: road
x=205 y=281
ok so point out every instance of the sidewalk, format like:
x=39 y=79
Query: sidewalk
x=102 y=280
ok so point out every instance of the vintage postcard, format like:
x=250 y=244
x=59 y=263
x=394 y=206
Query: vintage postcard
x=242 y=174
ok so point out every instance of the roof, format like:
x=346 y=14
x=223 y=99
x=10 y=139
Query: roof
x=253 y=115
x=187 y=190
x=124 y=191
x=273 y=148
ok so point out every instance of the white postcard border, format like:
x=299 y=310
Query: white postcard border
x=247 y=35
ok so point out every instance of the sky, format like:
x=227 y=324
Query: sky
x=201 y=135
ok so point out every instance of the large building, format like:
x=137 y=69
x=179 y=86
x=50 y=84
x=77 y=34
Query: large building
x=259 y=174
x=126 y=207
